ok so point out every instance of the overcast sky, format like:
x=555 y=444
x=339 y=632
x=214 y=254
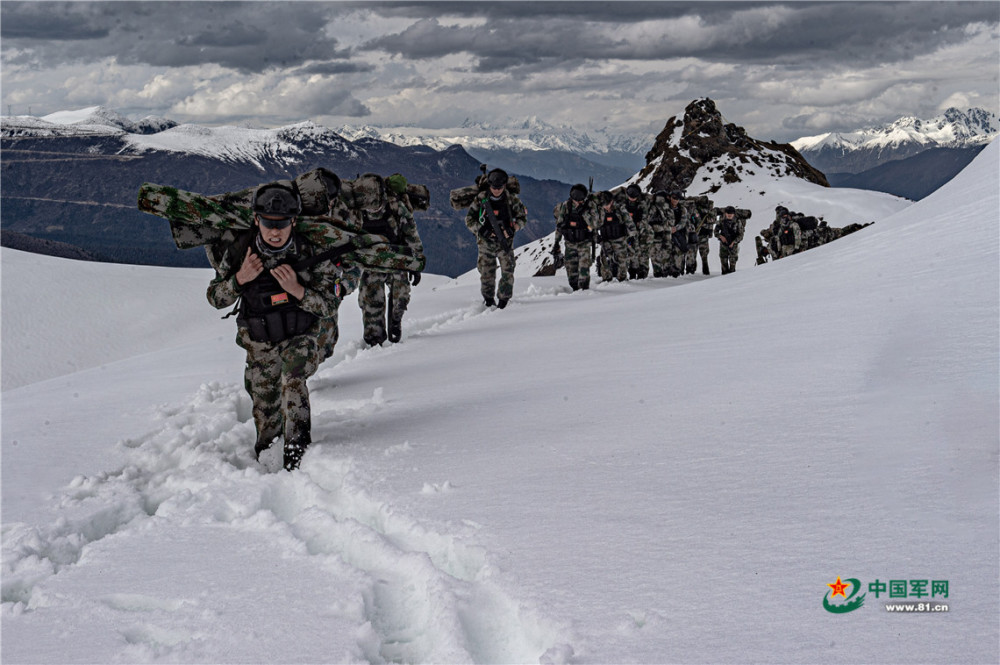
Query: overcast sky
x=780 y=69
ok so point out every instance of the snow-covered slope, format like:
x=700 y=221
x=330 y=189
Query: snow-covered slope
x=656 y=471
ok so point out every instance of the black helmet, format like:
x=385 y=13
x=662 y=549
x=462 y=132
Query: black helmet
x=578 y=192
x=633 y=191
x=606 y=198
x=780 y=209
x=278 y=202
x=676 y=194
x=730 y=210
x=497 y=178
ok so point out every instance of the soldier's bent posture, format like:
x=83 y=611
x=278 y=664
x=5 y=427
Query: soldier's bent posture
x=279 y=306
x=386 y=216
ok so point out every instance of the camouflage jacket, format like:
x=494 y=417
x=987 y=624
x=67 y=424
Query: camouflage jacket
x=731 y=229
x=475 y=218
x=642 y=206
x=591 y=218
x=617 y=215
x=326 y=283
x=400 y=220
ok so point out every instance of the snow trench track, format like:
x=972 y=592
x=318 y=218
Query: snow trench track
x=416 y=594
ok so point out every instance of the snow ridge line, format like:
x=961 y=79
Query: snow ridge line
x=424 y=596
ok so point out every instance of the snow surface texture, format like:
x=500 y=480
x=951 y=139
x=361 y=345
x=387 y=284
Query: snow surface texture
x=659 y=471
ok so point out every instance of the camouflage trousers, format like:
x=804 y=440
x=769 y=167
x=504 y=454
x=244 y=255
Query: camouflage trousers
x=275 y=376
x=372 y=299
x=728 y=256
x=786 y=250
x=702 y=249
x=667 y=259
x=639 y=260
x=490 y=254
x=327 y=336
x=615 y=259
x=578 y=264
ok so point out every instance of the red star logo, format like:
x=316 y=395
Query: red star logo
x=838 y=588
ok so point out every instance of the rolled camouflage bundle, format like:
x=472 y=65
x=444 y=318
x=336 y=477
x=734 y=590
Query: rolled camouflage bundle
x=197 y=220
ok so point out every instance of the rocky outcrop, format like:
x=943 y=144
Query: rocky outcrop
x=703 y=139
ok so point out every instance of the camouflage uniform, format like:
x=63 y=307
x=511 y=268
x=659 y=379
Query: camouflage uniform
x=395 y=223
x=575 y=224
x=729 y=231
x=509 y=212
x=615 y=230
x=638 y=210
x=677 y=245
x=275 y=373
x=704 y=224
x=661 y=222
x=789 y=238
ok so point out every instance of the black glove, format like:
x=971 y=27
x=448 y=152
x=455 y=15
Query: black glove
x=414 y=278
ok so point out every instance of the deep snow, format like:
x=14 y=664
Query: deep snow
x=658 y=471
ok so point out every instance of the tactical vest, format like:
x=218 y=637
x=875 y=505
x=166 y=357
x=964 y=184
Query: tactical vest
x=268 y=312
x=501 y=210
x=786 y=236
x=579 y=231
x=635 y=210
x=380 y=225
x=729 y=230
x=612 y=229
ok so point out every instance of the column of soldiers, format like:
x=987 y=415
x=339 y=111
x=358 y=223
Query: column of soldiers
x=793 y=232
x=635 y=230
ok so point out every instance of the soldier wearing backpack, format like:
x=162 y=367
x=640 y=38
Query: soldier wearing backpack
x=384 y=213
x=615 y=230
x=281 y=296
x=637 y=206
x=729 y=231
x=495 y=215
x=576 y=220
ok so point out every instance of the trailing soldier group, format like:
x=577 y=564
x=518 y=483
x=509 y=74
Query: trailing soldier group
x=793 y=232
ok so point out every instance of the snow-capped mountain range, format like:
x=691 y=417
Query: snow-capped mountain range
x=518 y=135
x=853 y=152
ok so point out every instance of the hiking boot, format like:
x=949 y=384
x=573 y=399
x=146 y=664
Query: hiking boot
x=704 y=269
x=260 y=447
x=375 y=340
x=395 y=330
x=488 y=301
x=502 y=303
x=294 y=452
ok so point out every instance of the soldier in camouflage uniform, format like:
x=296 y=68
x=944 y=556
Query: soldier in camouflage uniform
x=511 y=216
x=387 y=216
x=576 y=220
x=704 y=216
x=680 y=228
x=661 y=221
x=280 y=303
x=729 y=232
x=615 y=230
x=788 y=237
x=637 y=207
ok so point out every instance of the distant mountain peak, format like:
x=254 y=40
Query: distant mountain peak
x=904 y=137
x=701 y=150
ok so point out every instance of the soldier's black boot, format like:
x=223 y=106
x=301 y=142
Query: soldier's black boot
x=260 y=447
x=704 y=268
x=501 y=303
x=375 y=339
x=294 y=452
x=395 y=329
x=488 y=301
